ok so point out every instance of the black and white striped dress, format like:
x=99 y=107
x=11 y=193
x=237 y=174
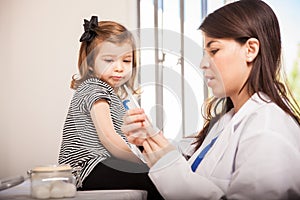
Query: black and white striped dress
x=81 y=147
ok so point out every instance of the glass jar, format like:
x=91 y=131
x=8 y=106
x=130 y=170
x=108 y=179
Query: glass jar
x=52 y=181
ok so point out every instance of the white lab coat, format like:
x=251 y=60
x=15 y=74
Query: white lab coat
x=256 y=156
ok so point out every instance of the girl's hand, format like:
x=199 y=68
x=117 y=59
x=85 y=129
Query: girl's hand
x=156 y=147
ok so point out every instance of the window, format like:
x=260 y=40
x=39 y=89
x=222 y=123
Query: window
x=172 y=83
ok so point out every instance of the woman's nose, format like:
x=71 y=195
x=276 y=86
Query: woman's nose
x=205 y=62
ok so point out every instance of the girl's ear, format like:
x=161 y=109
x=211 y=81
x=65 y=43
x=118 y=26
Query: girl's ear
x=252 y=49
x=91 y=71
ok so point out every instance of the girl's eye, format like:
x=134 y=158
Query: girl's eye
x=108 y=60
x=127 y=61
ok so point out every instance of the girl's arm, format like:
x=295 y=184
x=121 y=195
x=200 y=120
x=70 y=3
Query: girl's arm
x=110 y=139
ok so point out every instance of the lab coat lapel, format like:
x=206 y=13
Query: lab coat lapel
x=216 y=152
x=212 y=156
x=226 y=135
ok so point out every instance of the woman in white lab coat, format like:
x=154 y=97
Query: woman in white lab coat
x=249 y=147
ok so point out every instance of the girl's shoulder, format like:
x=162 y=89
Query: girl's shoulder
x=95 y=83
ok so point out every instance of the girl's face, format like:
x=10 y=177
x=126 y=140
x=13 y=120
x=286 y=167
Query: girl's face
x=225 y=66
x=113 y=63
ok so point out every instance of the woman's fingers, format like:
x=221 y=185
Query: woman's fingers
x=135 y=140
x=153 y=145
x=128 y=128
x=135 y=111
x=160 y=140
x=148 y=154
x=153 y=152
x=134 y=117
x=132 y=120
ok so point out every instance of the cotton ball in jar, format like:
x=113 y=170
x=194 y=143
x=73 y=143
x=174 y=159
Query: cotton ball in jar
x=69 y=190
x=41 y=191
x=57 y=189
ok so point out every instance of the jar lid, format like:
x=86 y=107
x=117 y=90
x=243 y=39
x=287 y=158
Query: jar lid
x=51 y=168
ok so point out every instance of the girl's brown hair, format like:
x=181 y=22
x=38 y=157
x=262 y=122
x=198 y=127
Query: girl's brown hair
x=242 y=20
x=107 y=31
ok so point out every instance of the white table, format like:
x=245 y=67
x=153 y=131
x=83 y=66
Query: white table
x=22 y=192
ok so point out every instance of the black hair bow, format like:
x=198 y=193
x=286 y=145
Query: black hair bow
x=89 y=29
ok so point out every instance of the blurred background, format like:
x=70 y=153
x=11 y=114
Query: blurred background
x=39 y=48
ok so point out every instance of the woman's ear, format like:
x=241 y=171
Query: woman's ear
x=252 y=49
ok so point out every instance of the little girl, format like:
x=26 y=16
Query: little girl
x=92 y=140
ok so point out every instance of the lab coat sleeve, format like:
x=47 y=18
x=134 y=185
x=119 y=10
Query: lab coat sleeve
x=174 y=179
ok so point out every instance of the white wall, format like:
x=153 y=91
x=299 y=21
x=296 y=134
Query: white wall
x=39 y=47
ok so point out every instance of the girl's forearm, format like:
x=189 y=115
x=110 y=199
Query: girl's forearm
x=118 y=148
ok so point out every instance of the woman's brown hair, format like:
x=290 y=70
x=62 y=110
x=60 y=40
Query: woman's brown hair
x=107 y=31
x=242 y=20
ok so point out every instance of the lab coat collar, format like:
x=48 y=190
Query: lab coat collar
x=225 y=131
x=254 y=102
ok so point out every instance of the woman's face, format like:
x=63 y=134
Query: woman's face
x=113 y=63
x=225 y=66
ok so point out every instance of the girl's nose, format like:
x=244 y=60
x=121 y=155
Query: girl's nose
x=118 y=66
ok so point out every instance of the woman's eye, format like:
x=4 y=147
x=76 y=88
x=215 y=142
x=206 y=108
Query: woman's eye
x=214 y=51
x=127 y=61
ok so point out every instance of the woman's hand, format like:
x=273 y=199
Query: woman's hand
x=133 y=126
x=139 y=131
x=155 y=147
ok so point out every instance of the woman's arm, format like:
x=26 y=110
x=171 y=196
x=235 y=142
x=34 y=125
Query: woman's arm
x=111 y=140
x=174 y=179
x=170 y=172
